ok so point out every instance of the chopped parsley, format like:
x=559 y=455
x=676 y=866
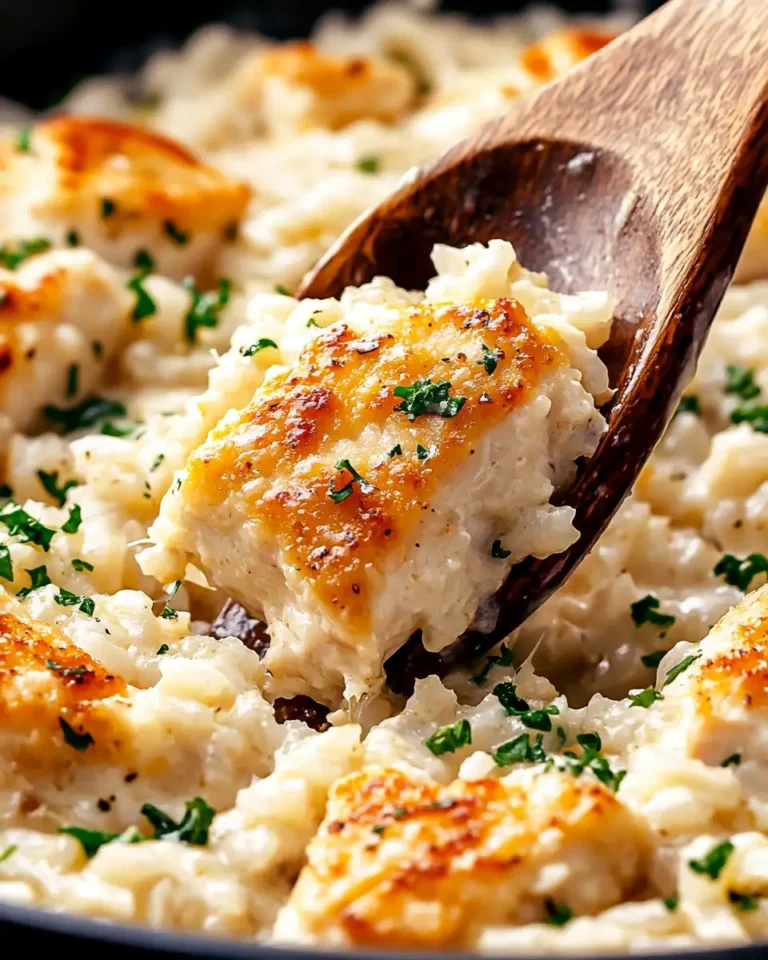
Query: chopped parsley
x=90 y=840
x=670 y=902
x=50 y=483
x=740 y=573
x=504 y=659
x=78 y=741
x=490 y=358
x=426 y=397
x=646 y=610
x=379 y=829
x=5 y=490
x=653 y=659
x=283 y=291
x=756 y=415
x=11 y=258
x=78 y=671
x=591 y=759
x=426 y=453
x=743 y=901
x=24 y=140
x=111 y=429
x=144 y=261
x=558 y=913
x=689 y=404
x=145 y=306
x=38 y=577
x=396 y=451
x=193 y=828
x=158 y=460
x=741 y=381
x=313 y=323
x=6 y=564
x=338 y=495
x=712 y=864
x=87 y=413
x=517 y=707
x=368 y=164
x=66 y=599
x=8 y=852
x=24 y=526
x=449 y=739
x=73 y=521
x=498 y=552
x=645 y=698
x=179 y=237
x=98 y=349
x=261 y=344
x=162 y=649
x=108 y=208
x=169 y=612
x=733 y=761
x=675 y=672
x=73 y=238
x=205 y=307
x=520 y=750
x=73 y=378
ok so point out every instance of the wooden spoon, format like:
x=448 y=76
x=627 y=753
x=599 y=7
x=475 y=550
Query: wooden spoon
x=640 y=172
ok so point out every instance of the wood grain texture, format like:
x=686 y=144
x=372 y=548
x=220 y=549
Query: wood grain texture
x=639 y=173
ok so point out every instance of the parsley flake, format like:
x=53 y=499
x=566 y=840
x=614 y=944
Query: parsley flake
x=675 y=672
x=87 y=413
x=340 y=494
x=261 y=344
x=162 y=649
x=73 y=521
x=158 y=460
x=504 y=659
x=670 y=902
x=6 y=564
x=66 y=599
x=396 y=451
x=712 y=864
x=756 y=415
x=78 y=741
x=50 y=483
x=145 y=306
x=741 y=381
x=689 y=404
x=743 y=901
x=12 y=258
x=8 y=852
x=205 y=307
x=108 y=208
x=179 y=237
x=490 y=358
x=24 y=140
x=653 y=659
x=520 y=750
x=73 y=238
x=733 y=761
x=73 y=378
x=283 y=291
x=425 y=397
x=645 y=698
x=498 y=552
x=24 y=526
x=740 y=573
x=646 y=611
x=558 y=913
x=193 y=828
x=517 y=707
x=449 y=739
x=426 y=453
x=169 y=612
x=144 y=261
x=370 y=164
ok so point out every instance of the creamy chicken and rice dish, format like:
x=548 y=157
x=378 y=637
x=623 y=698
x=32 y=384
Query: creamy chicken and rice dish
x=179 y=433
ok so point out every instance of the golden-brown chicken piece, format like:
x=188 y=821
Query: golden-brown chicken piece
x=405 y=862
x=118 y=189
x=51 y=698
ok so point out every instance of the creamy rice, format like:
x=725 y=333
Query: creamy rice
x=598 y=782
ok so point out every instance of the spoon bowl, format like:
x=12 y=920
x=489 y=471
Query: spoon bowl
x=640 y=173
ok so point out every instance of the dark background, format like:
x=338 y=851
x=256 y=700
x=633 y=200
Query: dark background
x=47 y=45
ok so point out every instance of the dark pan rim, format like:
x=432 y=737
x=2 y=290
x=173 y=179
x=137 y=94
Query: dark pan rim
x=16 y=921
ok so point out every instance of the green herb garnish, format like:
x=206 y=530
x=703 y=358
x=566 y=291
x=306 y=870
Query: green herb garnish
x=78 y=741
x=38 y=577
x=740 y=573
x=368 y=164
x=66 y=599
x=396 y=451
x=517 y=707
x=24 y=140
x=733 y=761
x=498 y=552
x=653 y=659
x=50 y=483
x=144 y=261
x=6 y=564
x=145 y=306
x=449 y=739
x=193 y=828
x=8 y=852
x=338 y=495
x=646 y=611
x=179 y=237
x=205 y=307
x=645 y=698
x=261 y=344
x=426 y=453
x=73 y=521
x=169 y=613
x=689 y=404
x=24 y=526
x=490 y=358
x=741 y=381
x=12 y=258
x=756 y=415
x=558 y=913
x=425 y=397
x=108 y=208
x=162 y=649
x=675 y=672
x=742 y=901
x=283 y=291
x=87 y=413
x=81 y=565
x=712 y=864
x=520 y=750
x=73 y=238
x=670 y=902
x=504 y=659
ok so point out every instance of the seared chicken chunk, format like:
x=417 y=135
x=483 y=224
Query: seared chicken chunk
x=379 y=484
x=404 y=862
x=118 y=189
x=52 y=697
x=62 y=317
